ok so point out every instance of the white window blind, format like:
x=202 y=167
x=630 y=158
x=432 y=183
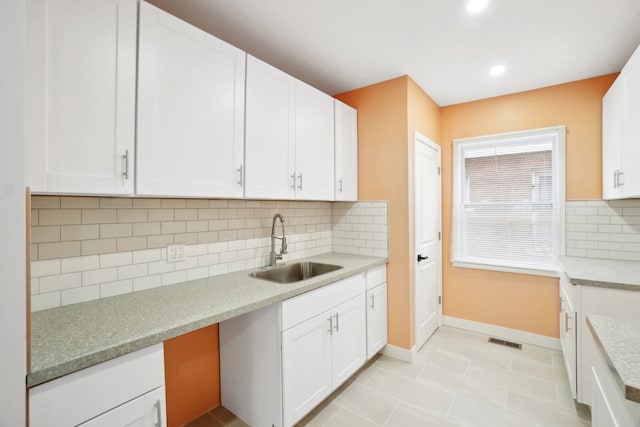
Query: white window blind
x=508 y=204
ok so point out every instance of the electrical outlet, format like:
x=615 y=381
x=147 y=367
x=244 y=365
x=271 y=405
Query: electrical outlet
x=175 y=253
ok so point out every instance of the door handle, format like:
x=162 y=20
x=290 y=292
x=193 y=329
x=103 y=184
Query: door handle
x=422 y=258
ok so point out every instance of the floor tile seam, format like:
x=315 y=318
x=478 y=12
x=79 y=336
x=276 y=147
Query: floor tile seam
x=509 y=388
x=393 y=411
x=528 y=419
x=381 y=393
x=390 y=371
x=354 y=413
x=567 y=411
x=538 y=378
x=395 y=401
x=426 y=411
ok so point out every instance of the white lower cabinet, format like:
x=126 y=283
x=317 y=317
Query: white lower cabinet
x=376 y=300
x=304 y=346
x=279 y=362
x=568 y=323
x=144 y=411
x=126 y=391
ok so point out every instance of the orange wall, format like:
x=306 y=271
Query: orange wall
x=192 y=375
x=522 y=302
x=388 y=113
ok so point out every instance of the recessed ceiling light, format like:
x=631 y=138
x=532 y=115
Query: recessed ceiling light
x=496 y=70
x=475 y=6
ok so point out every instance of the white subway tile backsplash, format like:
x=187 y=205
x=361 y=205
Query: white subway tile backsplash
x=76 y=295
x=119 y=245
x=45 y=301
x=83 y=263
x=116 y=288
x=116 y=259
x=95 y=277
x=48 y=267
x=174 y=277
x=603 y=229
x=132 y=271
x=60 y=282
x=148 y=282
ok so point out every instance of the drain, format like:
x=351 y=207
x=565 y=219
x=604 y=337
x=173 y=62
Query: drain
x=505 y=343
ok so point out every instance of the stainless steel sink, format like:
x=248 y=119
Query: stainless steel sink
x=296 y=272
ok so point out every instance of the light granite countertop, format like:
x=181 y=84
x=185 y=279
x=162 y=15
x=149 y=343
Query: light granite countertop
x=70 y=338
x=602 y=273
x=619 y=341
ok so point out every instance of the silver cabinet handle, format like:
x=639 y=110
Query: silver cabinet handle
x=300 y=183
x=373 y=302
x=566 y=321
x=615 y=179
x=330 y=325
x=241 y=176
x=337 y=323
x=340 y=185
x=293 y=176
x=158 y=413
x=125 y=169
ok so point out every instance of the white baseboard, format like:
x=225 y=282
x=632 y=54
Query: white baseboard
x=502 y=332
x=400 y=353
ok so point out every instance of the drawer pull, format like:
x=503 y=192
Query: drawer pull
x=158 y=413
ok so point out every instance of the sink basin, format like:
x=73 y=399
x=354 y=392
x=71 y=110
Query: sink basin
x=296 y=272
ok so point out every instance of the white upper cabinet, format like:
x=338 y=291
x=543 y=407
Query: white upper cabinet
x=346 y=152
x=270 y=132
x=289 y=137
x=621 y=134
x=314 y=143
x=80 y=100
x=190 y=110
x=613 y=119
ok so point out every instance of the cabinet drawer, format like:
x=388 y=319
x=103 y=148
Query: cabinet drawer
x=376 y=276
x=310 y=304
x=78 y=397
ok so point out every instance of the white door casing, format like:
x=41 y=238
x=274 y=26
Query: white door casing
x=428 y=248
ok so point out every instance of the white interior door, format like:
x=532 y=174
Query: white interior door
x=427 y=238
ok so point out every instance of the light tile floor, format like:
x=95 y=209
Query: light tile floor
x=458 y=379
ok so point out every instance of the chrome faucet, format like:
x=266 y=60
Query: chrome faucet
x=273 y=257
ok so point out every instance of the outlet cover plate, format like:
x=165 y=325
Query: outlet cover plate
x=175 y=253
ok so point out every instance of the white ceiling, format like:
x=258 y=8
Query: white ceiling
x=339 y=45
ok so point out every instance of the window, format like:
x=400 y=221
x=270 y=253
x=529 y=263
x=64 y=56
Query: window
x=508 y=201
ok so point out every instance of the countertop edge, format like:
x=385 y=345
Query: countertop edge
x=606 y=285
x=630 y=393
x=67 y=367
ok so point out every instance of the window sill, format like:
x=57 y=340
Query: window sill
x=532 y=272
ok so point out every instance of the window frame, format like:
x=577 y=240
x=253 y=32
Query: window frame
x=558 y=168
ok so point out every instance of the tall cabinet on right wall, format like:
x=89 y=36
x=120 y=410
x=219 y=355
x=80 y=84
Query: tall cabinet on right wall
x=621 y=134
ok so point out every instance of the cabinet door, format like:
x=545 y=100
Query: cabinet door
x=568 y=322
x=270 y=133
x=630 y=179
x=190 y=110
x=80 y=100
x=613 y=122
x=348 y=339
x=306 y=366
x=346 y=152
x=376 y=319
x=314 y=136
x=145 y=411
